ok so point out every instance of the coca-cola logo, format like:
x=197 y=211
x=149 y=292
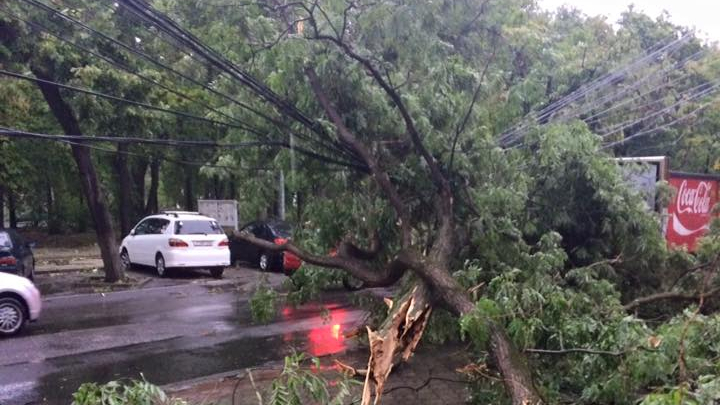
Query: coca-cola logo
x=694 y=200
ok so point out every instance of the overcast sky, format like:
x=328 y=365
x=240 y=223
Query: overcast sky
x=704 y=15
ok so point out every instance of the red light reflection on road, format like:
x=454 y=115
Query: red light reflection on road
x=322 y=340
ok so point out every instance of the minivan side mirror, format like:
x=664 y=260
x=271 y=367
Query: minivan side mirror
x=132 y=232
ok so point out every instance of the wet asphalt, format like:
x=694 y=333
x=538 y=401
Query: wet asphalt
x=167 y=334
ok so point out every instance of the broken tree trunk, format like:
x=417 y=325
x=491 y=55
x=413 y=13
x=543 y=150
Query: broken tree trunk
x=396 y=339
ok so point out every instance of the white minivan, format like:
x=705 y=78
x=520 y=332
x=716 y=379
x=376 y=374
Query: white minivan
x=175 y=240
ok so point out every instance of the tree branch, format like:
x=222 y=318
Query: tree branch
x=358 y=268
x=348 y=248
x=669 y=295
x=693 y=269
x=379 y=174
x=436 y=174
x=578 y=350
x=461 y=127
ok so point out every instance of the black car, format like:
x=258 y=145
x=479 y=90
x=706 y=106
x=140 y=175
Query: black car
x=274 y=231
x=16 y=255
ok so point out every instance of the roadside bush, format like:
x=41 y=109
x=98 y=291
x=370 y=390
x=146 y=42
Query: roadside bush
x=263 y=302
x=298 y=385
x=135 y=392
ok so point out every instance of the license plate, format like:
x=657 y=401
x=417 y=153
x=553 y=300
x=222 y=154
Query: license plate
x=202 y=243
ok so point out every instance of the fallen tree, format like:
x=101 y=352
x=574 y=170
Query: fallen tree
x=406 y=322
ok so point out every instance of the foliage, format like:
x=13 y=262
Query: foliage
x=134 y=392
x=263 y=302
x=297 y=385
x=309 y=281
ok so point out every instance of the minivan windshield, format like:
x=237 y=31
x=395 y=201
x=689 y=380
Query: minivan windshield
x=197 y=227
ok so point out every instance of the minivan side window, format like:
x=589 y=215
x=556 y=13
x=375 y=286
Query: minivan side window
x=157 y=226
x=142 y=228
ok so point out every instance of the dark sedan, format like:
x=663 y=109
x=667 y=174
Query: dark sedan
x=278 y=232
x=16 y=255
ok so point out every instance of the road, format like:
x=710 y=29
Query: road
x=169 y=334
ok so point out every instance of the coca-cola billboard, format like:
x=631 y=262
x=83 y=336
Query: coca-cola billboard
x=691 y=209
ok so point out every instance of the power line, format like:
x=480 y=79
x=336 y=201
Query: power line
x=114 y=63
x=69 y=141
x=138 y=140
x=82 y=139
x=126 y=101
x=76 y=141
x=635 y=85
x=652 y=130
x=614 y=95
x=713 y=87
x=516 y=133
x=183 y=36
x=336 y=149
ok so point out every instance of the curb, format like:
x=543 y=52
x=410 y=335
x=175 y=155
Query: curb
x=58 y=271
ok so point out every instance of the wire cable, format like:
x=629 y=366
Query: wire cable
x=127 y=101
x=116 y=64
x=276 y=122
x=16 y=133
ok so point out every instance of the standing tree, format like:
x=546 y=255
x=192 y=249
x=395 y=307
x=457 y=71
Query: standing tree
x=49 y=68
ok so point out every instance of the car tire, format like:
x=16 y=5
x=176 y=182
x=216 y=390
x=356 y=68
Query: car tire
x=265 y=262
x=12 y=316
x=125 y=260
x=217 y=272
x=352 y=284
x=160 y=268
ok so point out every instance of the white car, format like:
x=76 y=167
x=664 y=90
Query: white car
x=174 y=240
x=20 y=302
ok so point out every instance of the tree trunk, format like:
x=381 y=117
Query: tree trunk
x=53 y=217
x=138 y=168
x=232 y=188
x=189 y=192
x=88 y=178
x=12 y=209
x=2 y=207
x=217 y=189
x=124 y=188
x=152 y=199
x=511 y=364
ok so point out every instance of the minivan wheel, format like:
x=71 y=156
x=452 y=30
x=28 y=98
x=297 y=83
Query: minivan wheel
x=12 y=316
x=160 y=265
x=125 y=261
x=217 y=272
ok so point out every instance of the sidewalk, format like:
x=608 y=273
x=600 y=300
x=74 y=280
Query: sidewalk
x=53 y=260
x=428 y=378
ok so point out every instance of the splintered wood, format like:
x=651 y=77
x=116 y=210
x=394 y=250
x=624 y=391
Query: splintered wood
x=396 y=339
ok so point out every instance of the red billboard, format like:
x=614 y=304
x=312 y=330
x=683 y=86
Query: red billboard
x=690 y=212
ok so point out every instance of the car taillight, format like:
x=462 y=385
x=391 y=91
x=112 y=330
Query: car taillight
x=7 y=261
x=173 y=242
x=224 y=242
x=280 y=241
